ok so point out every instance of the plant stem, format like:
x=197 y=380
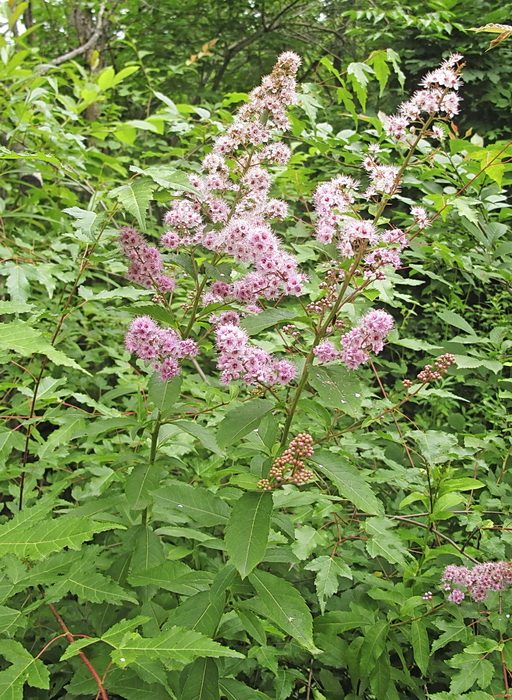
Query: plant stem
x=152 y=456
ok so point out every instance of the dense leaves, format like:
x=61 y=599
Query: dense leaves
x=199 y=539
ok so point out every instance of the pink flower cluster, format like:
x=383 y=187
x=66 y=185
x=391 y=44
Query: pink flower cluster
x=231 y=210
x=482 y=578
x=163 y=347
x=146 y=264
x=334 y=198
x=438 y=97
x=369 y=334
x=238 y=359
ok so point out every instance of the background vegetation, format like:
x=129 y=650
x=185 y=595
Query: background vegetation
x=120 y=577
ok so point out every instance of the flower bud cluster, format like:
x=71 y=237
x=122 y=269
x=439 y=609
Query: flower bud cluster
x=438 y=98
x=290 y=468
x=145 y=262
x=482 y=578
x=238 y=359
x=430 y=373
x=163 y=347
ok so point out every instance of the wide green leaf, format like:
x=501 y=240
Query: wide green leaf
x=348 y=480
x=21 y=338
x=191 y=501
x=135 y=197
x=176 y=647
x=286 y=607
x=240 y=421
x=247 y=531
x=202 y=681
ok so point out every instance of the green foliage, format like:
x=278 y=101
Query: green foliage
x=133 y=533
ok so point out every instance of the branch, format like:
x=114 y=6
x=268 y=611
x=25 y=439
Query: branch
x=91 y=41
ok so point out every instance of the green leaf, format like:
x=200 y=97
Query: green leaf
x=247 y=531
x=235 y=690
x=384 y=542
x=286 y=607
x=125 y=73
x=176 y=647
x=106 y=78
x=16 y=307
x=199 y=612
x=328 y=569
x=202 y=681
x=337 y=387
x=141 y=482
x=85 y=220
x=306 y=539
x=24 y=669
x=169 y=178
x=454 y=319
x=163 y=575
x=135 y=197
x=164 y=394
x=259 y=322
x=473 y=670
x=240 y=421
x=32 y=539
x=349 y=482
x=205 y=436
x=192 y=501
x=17 y=284
x=420 y=645
x=374 y=642
x=72 y=428
x=20 y=337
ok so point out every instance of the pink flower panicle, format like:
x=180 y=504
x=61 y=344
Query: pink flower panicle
x=326 y=352
x=369 y=334
x=438 y=99
x=482 y=578
x=290 y=468
x=146 y=266
x=162 y=347
x=238 y=359
x=231 y=210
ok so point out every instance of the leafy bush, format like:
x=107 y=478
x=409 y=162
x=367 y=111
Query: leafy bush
x=258 y=494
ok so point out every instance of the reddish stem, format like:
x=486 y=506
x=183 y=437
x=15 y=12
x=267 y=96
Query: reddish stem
x=102 y=693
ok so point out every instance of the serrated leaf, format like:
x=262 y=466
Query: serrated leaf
x=164 y=394
x=176 y=647
x=337 y=387
x=205 y=436
x=85 y=220
x=90 y=586
x=200 y=612
x=235 y=690
x=202 y=681
x=349 y=482
x=286 y=607
x=17 y=284
x=454 y=319
x=141 y=482
x=266 y=319
x=16 y=307
x=420 y=645
x=75 y=647
x=328 y=569
x=24 y=669
x=71 y=429
x=21 y=338
x=163 y=575
x=306 y=539
x=473 y=670
x=135 y=197
x=240 y=421
x=384 y=542
x=193 y=501
x=247 y=531
x=170 y=178
x=33 y=540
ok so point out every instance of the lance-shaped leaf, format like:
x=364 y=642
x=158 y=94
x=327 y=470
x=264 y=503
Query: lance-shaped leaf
x=164 y=394
x=247 y=531
x=32 y=540
x=21 y=338
x=197 y=503
x=349 y=482
x=202 y=681
x=240 y=421
x=176 y=647
x=286 y=607
x=135 y=197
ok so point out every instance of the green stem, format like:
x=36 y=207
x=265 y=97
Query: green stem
x=152 y=455
x=319 y=335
